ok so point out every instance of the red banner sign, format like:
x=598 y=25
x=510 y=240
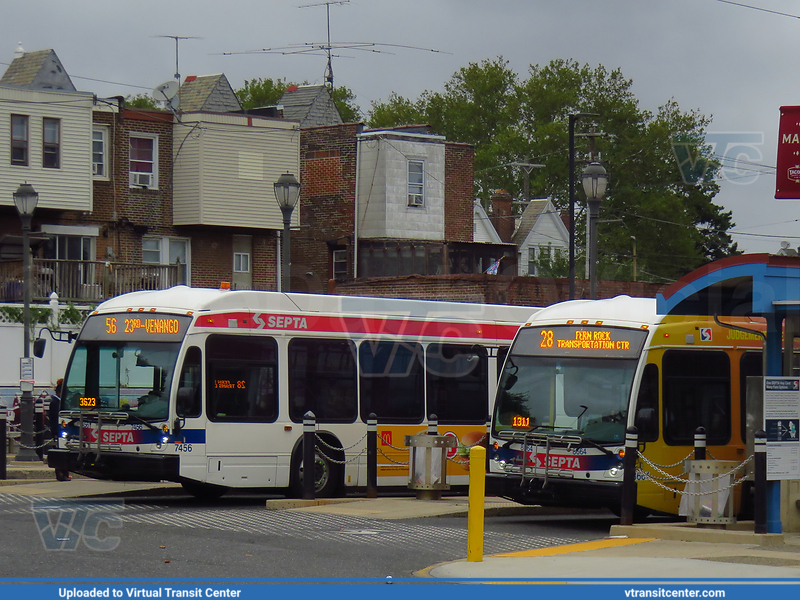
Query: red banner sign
x=787 y=177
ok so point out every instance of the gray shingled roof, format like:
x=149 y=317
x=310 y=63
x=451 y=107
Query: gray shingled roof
x=528 y=219
x=40 y=70
x=210 y=93
x=311 y=105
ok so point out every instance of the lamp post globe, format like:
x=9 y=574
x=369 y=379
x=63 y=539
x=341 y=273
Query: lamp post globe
x=595 y=181
x=26 y=199
x=287 y=193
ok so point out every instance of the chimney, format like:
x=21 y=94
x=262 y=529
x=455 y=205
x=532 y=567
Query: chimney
x=501 y=218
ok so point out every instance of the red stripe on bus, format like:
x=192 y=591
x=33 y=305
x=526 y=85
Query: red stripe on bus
x=361 y=325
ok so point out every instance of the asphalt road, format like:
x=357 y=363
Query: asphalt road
x=236 y=537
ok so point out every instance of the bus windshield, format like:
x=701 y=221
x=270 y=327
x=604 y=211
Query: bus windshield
x=555 y=381
x=132 y=377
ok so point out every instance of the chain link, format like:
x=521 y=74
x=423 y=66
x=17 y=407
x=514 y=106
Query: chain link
x=324 y=443
x=390 y=459
x=339 y=462
x=734 y=482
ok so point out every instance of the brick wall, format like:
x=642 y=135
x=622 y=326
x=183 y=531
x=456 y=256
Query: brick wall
x=501 y=216
x=327 y=204
x=489 y=289
x=459 y=160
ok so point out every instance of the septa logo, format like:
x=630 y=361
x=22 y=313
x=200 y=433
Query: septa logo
x=705 y=334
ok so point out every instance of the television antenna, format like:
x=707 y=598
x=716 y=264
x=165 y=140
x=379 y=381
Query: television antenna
x=327 y=48
x=177 y=39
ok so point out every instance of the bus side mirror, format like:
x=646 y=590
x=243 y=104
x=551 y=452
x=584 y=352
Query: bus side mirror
x=38 y=347
x=646 y=421
x=510 y=382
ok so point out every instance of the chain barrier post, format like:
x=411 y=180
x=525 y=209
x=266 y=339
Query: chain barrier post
x=433 y=425
x=372 y=456
x=700 y=443
x=477 y=498
x=760 y=469
x=629 y=476
x=487 y=438
x=309 y=458
x=3 y=440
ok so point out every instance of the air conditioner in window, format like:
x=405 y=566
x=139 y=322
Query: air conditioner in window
x=97 y=169
x=142 y=179
x=415 y=200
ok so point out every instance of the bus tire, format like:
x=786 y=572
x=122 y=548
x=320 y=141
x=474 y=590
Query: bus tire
x=326 y=476
x=204 y=491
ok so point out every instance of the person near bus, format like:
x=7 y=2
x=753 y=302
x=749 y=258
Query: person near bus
x=53 y=410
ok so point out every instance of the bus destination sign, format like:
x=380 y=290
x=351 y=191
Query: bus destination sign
x=136 y=326
x=583 y=340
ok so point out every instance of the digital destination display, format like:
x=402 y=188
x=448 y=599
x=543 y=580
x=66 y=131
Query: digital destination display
x=580 y=340
x=136 y=327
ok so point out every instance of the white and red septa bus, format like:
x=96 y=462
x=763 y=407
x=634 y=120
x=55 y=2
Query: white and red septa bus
x=209 y=387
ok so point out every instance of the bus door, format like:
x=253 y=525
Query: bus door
x=242 y=443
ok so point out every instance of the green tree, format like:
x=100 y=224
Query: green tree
x=142 y=101
x=268 y=92
x=673 y=219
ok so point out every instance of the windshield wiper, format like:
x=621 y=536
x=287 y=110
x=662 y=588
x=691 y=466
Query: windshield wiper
x=143 y=421
x=598 y=446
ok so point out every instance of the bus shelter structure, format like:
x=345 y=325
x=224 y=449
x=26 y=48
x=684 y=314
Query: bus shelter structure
x=757 y=285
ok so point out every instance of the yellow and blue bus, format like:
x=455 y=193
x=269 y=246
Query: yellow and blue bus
x=579 y=373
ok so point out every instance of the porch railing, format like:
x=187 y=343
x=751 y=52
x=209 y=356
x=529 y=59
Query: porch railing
x=83 y=280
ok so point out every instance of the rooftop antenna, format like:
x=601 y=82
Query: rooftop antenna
x=177 y=39
x=327 y=47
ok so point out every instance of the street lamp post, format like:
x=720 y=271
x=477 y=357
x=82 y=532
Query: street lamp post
x=572 y=118
x=287 y=192
x=594 y=181
x=25 y=199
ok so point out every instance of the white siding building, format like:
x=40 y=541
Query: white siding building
x=400 y=185
x=225 y=165
x=47 y=142
x=540 y=235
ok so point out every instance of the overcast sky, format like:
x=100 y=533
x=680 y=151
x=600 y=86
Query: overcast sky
x=735 y=64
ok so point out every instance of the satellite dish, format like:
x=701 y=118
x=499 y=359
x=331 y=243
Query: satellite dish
x=166 y=91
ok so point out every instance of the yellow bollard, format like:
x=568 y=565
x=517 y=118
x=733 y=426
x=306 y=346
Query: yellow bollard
x=477 y=497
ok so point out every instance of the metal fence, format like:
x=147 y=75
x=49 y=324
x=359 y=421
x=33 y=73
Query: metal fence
x=83 y=280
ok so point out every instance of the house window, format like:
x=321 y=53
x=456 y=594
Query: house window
x=19 y=140
x=144 y=161
x=241 y=262
x=532 y=260
x=340 y=264
x=51 y=143
x=100 y=152
x=168 y=251
x=67 y=278
x=416 y=183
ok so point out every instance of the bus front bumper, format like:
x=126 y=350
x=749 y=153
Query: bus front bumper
x=115 y=466
x=555 y=491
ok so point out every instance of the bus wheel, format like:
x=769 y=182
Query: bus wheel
x=204 y=491
x=325 y=477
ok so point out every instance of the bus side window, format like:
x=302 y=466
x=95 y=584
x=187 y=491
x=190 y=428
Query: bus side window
x=457 y=382
x=647 y=405
x=322 y=379
x=190 y=384
x=392 y=381
x=697 y=391
x=241 y=378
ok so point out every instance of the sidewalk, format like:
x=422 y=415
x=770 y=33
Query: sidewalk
x=677 y=552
